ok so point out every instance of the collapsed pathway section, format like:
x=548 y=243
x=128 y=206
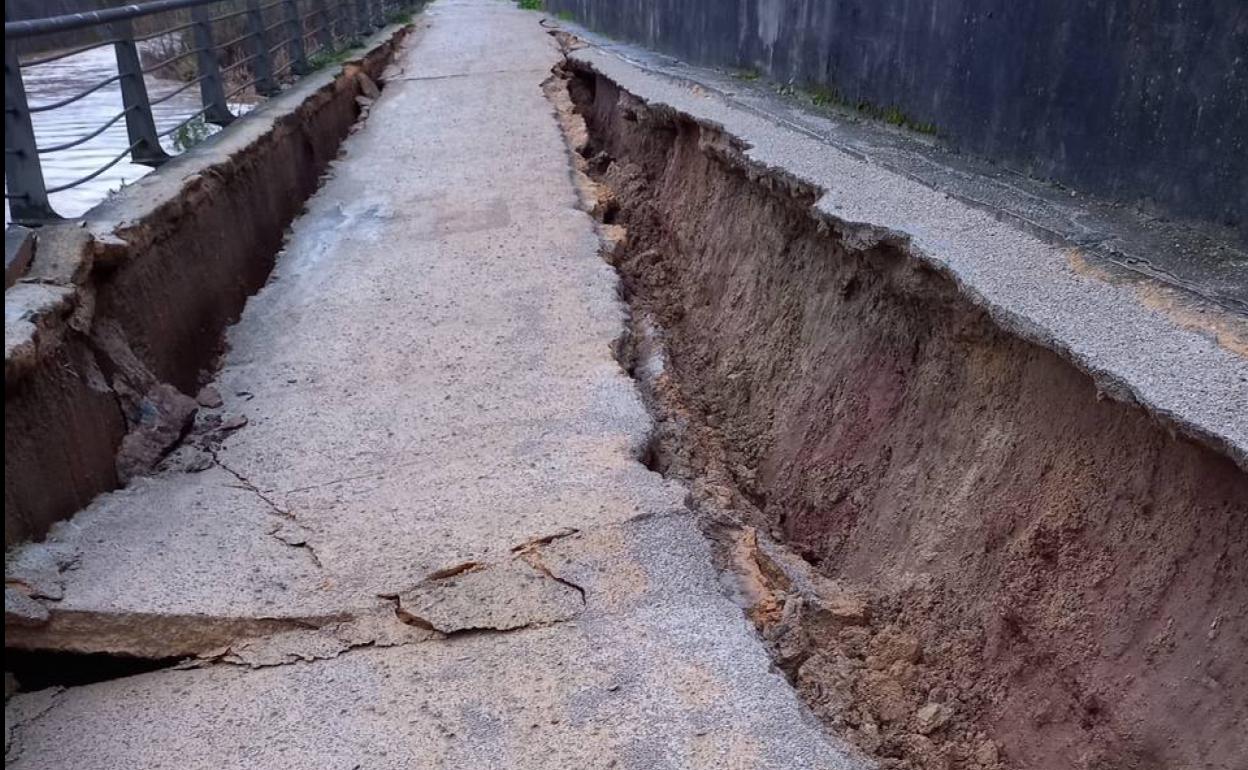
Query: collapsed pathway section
x=1025 y=486
x=414 y=530
x=109 y=334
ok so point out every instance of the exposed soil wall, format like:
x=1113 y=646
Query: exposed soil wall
x=46 y=480
x=1054 y=580
x=151 y=300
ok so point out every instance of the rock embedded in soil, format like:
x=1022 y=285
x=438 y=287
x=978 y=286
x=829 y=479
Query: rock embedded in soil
x=930 y=717
x=209 y=397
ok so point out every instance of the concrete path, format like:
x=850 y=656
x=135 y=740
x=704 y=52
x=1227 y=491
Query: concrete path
x=432 y=543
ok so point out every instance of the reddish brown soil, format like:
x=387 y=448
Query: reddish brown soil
x=1054 y=579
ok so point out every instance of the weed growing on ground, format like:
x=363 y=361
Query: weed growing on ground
x=893 y=116
x=827 y=97
x=531 y=5
x=824 y=96
x=191 y=133
x=329 y=56
x=400 y=16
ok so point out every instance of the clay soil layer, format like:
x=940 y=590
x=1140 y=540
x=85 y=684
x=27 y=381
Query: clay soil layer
x=1054 y=579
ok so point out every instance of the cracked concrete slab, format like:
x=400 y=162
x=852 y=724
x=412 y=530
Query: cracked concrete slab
x=660 y=670
x=165 y=569
x=490 y=597
x=433 y=411
x=427 y=378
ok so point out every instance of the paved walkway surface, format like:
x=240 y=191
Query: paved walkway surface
x=432 y=543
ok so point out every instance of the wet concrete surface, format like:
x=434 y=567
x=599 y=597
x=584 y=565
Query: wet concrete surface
x=427 y=381
x=431 y=542
x=1208 y=262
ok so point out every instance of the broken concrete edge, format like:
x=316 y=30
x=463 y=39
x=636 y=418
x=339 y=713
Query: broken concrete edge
x=154 y=206
x=131 y=220
x=1222 y=438
x=150 y=634
x=19 y=248
x=36 y=317
x=165 y=264
x=520 y=590
x=1109 y=381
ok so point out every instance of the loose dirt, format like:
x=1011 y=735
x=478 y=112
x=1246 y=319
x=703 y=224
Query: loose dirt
x=999 y=566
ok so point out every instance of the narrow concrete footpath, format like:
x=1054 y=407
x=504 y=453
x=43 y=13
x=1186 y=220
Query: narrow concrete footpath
x=431 y=544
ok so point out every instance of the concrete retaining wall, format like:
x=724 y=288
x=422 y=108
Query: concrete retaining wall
x=1141 y=100
x=139 y=293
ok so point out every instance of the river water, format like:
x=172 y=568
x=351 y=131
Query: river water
x=51 y=82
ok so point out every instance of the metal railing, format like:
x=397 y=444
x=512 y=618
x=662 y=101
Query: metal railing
x=230 y=49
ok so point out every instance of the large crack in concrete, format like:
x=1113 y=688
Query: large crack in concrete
x=517 y=593
x=890 y=668
x=575 y=618
x=505 y=596
x=167 y=432
x=289 y=531
x=31 y=714
x=100 y=290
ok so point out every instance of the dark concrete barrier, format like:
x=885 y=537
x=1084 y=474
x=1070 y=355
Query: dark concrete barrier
x=1139 y=100
x=108 y=335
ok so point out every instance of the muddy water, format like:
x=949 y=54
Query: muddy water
x=60 y=79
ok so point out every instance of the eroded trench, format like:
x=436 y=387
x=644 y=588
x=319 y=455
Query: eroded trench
x=1022 y=572
x=170 y=414
x=960 y=554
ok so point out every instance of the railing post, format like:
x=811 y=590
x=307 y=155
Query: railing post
x=211 y=89
x=140 y=126
x=27 y=194
x=294 y=47
x=261 y=63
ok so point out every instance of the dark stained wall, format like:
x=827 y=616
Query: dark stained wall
x=1139 y=100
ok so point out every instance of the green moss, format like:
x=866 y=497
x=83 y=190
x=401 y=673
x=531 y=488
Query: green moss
x=531 y=5
x=328 y=57
x=822 y=96
x=825 y=97
x=400 y=16
x=749 y=75
x=893 y=116
x=191 y=133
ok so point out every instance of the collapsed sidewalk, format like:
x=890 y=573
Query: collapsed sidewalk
x=420 y=529
x=416 y=532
